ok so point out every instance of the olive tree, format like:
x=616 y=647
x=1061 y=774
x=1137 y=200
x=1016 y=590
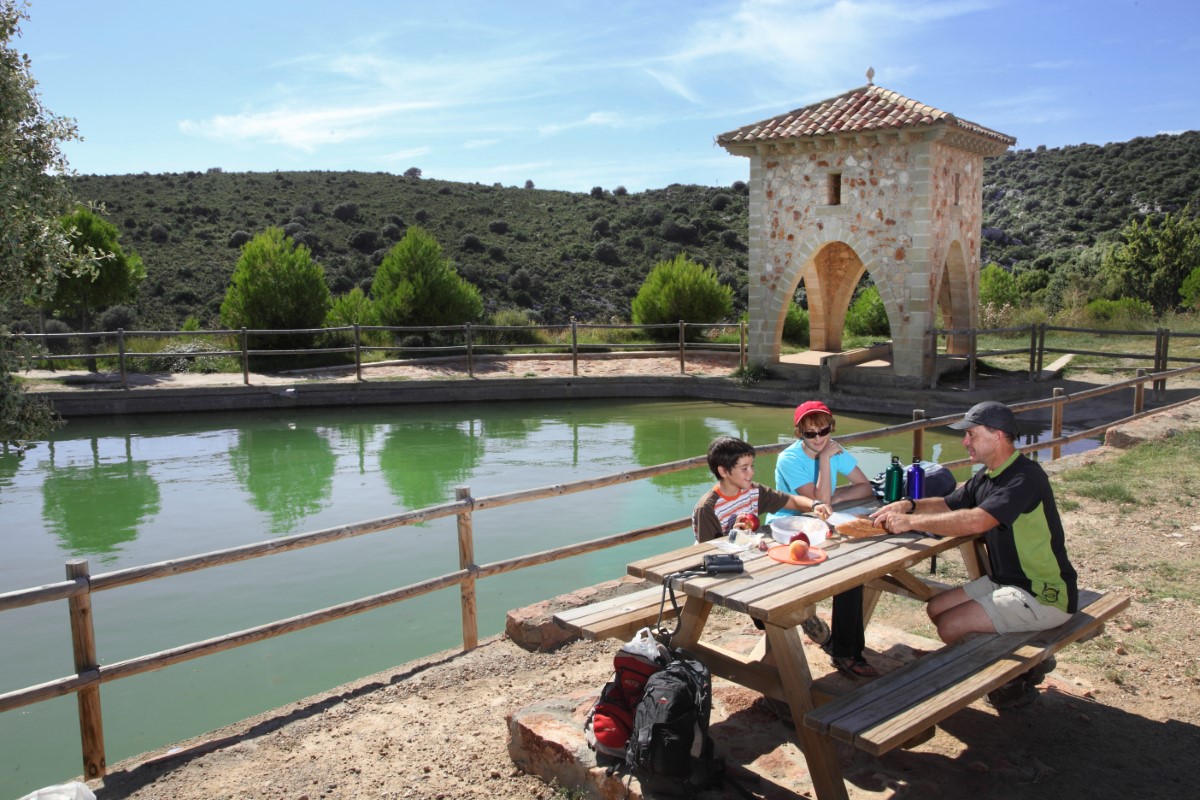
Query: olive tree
x=33 y=246
x=276 y=285
x=416 y=285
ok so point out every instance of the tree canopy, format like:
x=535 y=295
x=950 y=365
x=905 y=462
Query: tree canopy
x=115 y=278
x=681 y=289
x=33 y=246
x=276 y=285
x=416 y=285
x=1154 y=259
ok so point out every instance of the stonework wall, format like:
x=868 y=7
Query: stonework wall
x=897 y=214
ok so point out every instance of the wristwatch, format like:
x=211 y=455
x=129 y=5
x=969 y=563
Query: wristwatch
x=912 y=505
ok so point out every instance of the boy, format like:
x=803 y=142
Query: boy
x=732 y=462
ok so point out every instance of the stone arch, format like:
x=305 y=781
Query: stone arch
x=954 y=297
x=831 y=268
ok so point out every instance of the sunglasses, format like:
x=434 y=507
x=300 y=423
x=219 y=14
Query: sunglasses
x=828 y=429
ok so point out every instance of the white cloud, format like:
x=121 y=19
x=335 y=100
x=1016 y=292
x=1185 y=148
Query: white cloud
x=405 y=155
x=475 y=144
x=303 y=130
x=606 y=119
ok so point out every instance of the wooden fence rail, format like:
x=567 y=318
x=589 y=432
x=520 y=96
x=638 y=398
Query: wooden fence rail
x=79 y=585
x=470 y=345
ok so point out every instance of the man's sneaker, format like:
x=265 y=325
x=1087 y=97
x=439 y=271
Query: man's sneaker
x=1015 y=694
x=815 y=629
x=1040 y=671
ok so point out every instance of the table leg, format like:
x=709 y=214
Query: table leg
x=974 y=557
x=796 y=680
x=692 y=618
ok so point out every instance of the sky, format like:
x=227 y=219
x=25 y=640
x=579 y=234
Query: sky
x=575 y=94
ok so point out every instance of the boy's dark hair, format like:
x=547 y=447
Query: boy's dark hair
x=725 y=451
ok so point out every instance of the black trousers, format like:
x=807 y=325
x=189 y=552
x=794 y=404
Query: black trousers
x=849 y=637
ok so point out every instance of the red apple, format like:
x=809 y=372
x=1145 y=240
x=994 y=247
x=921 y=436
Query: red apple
x=749 y=521
x=799 y=537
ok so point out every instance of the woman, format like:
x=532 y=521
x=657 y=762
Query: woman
x=810 y=467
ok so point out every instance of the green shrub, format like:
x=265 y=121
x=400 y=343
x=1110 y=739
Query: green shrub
x=520 y=319
x=1125 y=312
x=677 y=290
x=190 y=324
x=1190 y=291
x=867 y=315
x=998 y=287
x=175 y=358
x=795 y=326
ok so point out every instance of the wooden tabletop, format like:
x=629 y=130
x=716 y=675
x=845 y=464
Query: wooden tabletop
x=784 y=594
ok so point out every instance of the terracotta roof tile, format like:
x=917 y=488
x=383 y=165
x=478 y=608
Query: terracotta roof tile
x=867 y=108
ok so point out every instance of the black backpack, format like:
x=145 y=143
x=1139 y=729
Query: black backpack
x=670 y=750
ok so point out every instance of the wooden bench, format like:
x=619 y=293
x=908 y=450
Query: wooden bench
x=618 y=617
x=893 y=709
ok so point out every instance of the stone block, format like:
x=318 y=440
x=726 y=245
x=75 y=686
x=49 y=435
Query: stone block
x=533 y=627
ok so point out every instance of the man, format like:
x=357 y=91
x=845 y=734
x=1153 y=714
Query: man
x=1031 y=585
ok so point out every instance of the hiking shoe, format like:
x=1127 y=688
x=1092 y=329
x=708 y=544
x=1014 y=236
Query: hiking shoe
x=1040 y=671
x=1015 y=694
x=815 y=629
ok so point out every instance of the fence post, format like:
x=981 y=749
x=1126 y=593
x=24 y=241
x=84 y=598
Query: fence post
x=245 y=360
x=742 y=344
x=971 y=360
x=1160 y=386
x=1032 y=352
x=466 y=560
x=1139 y=392
x=918 y=450
x=121 y=357
x=682 y=371
x=1056 y=421
x=357 y=352
x=1041 y=347
x=933 y=355
x=470 y=353
x=574 y=348
x=83 y=646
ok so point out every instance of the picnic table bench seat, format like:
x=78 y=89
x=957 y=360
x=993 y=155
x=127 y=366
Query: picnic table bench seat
x=617 y=617
x=894 y=708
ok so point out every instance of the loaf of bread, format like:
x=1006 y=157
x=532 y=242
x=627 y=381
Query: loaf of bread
x=859 y=528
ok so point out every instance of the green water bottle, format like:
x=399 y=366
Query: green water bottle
x=893 y=481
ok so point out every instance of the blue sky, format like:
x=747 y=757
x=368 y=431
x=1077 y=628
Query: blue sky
x=576 y=94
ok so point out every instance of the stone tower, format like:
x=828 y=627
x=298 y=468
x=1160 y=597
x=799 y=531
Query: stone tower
x=866 y=181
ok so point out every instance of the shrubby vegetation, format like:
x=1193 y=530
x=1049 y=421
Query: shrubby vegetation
x=276 y=284
x=681 y=289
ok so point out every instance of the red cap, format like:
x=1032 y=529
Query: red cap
x=809 y=407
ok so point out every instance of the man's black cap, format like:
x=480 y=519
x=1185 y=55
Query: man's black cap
x=989 y=414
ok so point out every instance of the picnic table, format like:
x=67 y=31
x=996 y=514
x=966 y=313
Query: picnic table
x=875 y=715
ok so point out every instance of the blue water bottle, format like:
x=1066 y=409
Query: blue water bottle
x=915 y=479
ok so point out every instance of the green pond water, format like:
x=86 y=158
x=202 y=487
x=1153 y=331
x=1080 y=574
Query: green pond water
x=122 y=492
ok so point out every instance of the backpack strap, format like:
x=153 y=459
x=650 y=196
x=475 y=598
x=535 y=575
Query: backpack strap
x=669 y=590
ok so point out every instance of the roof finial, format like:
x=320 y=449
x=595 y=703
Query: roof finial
x=870 y=76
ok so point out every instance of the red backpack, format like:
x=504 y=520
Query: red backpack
x=610 y=722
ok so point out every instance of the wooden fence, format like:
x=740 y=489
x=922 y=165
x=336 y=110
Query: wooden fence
x=80 y=584
x=469 y=340
x=1158 y=361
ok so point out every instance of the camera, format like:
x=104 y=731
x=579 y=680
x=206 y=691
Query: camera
x=722 y=563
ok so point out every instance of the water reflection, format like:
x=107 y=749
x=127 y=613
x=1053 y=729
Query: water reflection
x=656 y=441
x=421 y=462
x=288 y=471
x=94 y=509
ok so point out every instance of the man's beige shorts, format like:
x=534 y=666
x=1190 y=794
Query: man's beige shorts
x=1012 y=609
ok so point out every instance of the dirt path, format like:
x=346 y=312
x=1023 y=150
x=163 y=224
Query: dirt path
x=1119 y=718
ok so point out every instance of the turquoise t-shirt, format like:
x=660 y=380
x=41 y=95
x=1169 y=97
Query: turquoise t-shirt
x=795 y=468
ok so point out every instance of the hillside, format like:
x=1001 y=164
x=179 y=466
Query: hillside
x=560 y=254
x=556 y=253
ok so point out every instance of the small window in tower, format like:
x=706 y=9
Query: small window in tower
x=834 y=189
x=957 y=189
